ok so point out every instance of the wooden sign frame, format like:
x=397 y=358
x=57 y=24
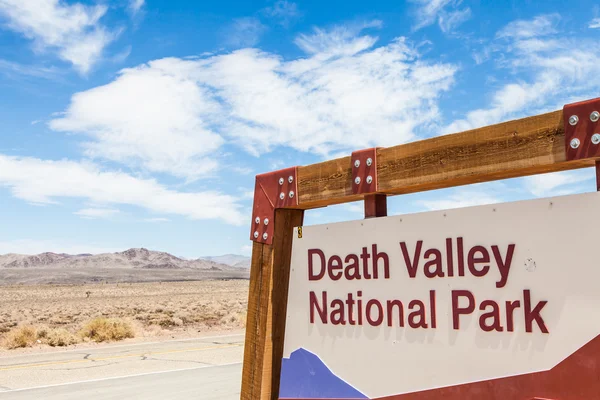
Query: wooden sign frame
x=534 y=145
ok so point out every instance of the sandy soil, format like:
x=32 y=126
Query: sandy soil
x=157 y=310
x=82 y=276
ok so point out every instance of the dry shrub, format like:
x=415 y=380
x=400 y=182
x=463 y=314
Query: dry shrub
x=60 y=337
x=166 y=322
x=23 y=336
x=42 y=332
x=234 y=319
x=106 y=330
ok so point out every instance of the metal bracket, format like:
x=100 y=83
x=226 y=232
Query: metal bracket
x=277 y=189
x=364 y=171
x=582 y=129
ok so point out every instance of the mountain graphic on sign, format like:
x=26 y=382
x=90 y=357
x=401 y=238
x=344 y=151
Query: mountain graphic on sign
x=305 y=376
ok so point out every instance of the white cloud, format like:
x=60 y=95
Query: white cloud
x=135 y=6
x=459 y=199
x=171 y=115
x=244 y=32
x=34 y=246
x=97 y=213
x=553 y=70
x=155 y=116
x=509 y=99
x=594 y=24
x=445 y=12
x=43 y=182
x=283 y=11
x=560 y=183
x=338 y=41
x=13 y=70
x=354 y=207
x=428 y=11
x=449 y=21
x=73 y=31
x=538 y=26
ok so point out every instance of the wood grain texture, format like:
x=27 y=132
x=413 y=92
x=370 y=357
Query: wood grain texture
x=511 y=149
x=287 y=220
x=256 y=321
x=375 y=205
x=267 y=307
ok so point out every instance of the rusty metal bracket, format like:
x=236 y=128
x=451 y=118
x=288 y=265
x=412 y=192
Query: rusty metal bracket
x=582 y=129
x=364 y=171
x=277 y=189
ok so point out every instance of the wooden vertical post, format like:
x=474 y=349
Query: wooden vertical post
x=375 y=205
x=267 y=307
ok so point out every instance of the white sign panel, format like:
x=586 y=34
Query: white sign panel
x=407 y=304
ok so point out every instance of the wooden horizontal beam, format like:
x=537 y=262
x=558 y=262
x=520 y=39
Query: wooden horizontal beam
x=511 y=149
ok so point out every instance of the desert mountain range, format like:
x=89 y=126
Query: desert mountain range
x=136 y=258
x=234 y=260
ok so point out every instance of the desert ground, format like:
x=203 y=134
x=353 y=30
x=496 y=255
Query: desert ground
x=152 y=310
x=42 y=276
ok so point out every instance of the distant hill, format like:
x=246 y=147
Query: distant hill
x=133 y=265
x=234 y=260
x=132 y=258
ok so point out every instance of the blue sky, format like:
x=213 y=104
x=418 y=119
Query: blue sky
x=133 y=123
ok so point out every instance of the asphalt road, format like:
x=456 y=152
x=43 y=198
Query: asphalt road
x=204 y=368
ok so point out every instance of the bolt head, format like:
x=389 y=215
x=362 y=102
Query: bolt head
x=596 y=138
x=255 y=234
x=369 y=162
x=290 y=179
x=595 y=116
x=357 y=180
x=266 y=221
x=357 y=163
x=575 y=143
x=573 y=120
x=280 y=181
x=265 y=236
x=291 y=194
x=257 y=220
x=369 y=179
x=282 y=195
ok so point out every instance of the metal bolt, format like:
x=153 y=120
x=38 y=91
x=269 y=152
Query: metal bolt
x=266 y=221
x=573 y=120
x=369 y=179
x=596 y=138
x=282 y=195
x=357 y=180
x=357 y=163
x=265 y=236
x=280 y=181
x=291 y=194
x=595 y=116
x=255 y=234
x=290 y=179
x=575 y=143
x=257 y=220
x=369 y=162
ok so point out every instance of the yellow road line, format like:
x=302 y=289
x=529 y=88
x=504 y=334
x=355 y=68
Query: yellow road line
x=119 y=357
